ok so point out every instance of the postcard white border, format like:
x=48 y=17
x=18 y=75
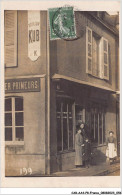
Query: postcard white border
x=53 y=182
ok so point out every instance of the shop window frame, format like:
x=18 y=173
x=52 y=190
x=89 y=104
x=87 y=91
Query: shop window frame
x=14 y=126
x=79 y=114
x=98 y=144
x=73 y=125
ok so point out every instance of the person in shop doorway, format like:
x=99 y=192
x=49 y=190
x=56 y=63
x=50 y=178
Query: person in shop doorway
x=111 y=151
x=84 y=134
x=83 y=130
x=78 y=148
x=87 y=153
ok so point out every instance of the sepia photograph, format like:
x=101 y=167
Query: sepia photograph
x=61 y=92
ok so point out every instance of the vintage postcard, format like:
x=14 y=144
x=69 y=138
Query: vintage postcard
x=60 y=103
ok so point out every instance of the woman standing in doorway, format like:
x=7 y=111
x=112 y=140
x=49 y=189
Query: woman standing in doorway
x=83 y=130
x=111 y=151
x=85 y=137
x=78 y=148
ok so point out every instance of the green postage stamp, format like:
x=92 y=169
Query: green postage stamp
x=62 y=23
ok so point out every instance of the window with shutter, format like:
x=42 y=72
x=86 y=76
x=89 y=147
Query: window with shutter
x=88 y=50
x=95 y=55
x=97 y=63
x=10 y=38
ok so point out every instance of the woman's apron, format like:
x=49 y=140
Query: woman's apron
x=111 y=152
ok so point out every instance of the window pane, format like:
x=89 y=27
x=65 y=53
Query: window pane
x=18 y=104
x=65 y=136
x=78 y=114
x=89 y=36
x=8 y=105
x=92 y=127
x=8 y=119
x=95 y=56
x=8 y=134
x=89 y=50
x=105 y=45
x=65 y=130
x=105 y=58
x=59 y=135
x=65 y=110
x=96 y=127
x=100 y=128
x=89 y=64
x=96 y=111
x=70 y=109
x=19 y=134
x=70 y=133
x=19 y=119
x=58 y=106
x=103 y=127
x=58 y=125
x=64 y=106
x=70 y=126
x=105 y=70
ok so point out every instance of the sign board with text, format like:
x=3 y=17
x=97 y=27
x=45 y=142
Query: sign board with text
x=22 y=85
x=33 y=35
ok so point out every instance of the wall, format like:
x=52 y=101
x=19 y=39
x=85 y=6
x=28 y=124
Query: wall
x=69 y=58
x=32 y=153
x=71 y=55
x=24 y=65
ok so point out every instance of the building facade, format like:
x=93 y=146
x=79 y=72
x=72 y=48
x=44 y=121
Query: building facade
x=48 y=93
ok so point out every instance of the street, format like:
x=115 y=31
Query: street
x=116 y=173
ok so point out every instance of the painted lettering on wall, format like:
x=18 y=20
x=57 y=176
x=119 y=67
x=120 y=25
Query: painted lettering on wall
x=25 y=171
x=22 y=85
x=33 y=35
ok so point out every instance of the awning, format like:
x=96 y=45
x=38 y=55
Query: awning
x=58 y=76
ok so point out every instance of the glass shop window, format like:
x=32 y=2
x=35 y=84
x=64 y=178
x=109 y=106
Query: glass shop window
x=14 y=119
x=64 y=125
x=98 y=125
x=79 y=114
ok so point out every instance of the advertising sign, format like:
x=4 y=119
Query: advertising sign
x=33 y=35
x=22 y=85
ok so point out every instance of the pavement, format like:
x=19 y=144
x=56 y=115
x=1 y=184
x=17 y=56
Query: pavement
x=96 y=170
x=102 y=169
x=117 y=173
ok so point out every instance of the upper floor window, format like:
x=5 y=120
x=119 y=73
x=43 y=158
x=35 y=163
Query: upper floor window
x=14 y=119
x=10 y=38
x=97 y=63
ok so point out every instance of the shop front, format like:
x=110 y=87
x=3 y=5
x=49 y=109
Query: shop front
x=25 y=125
x=71 y=103
x=76 y=103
